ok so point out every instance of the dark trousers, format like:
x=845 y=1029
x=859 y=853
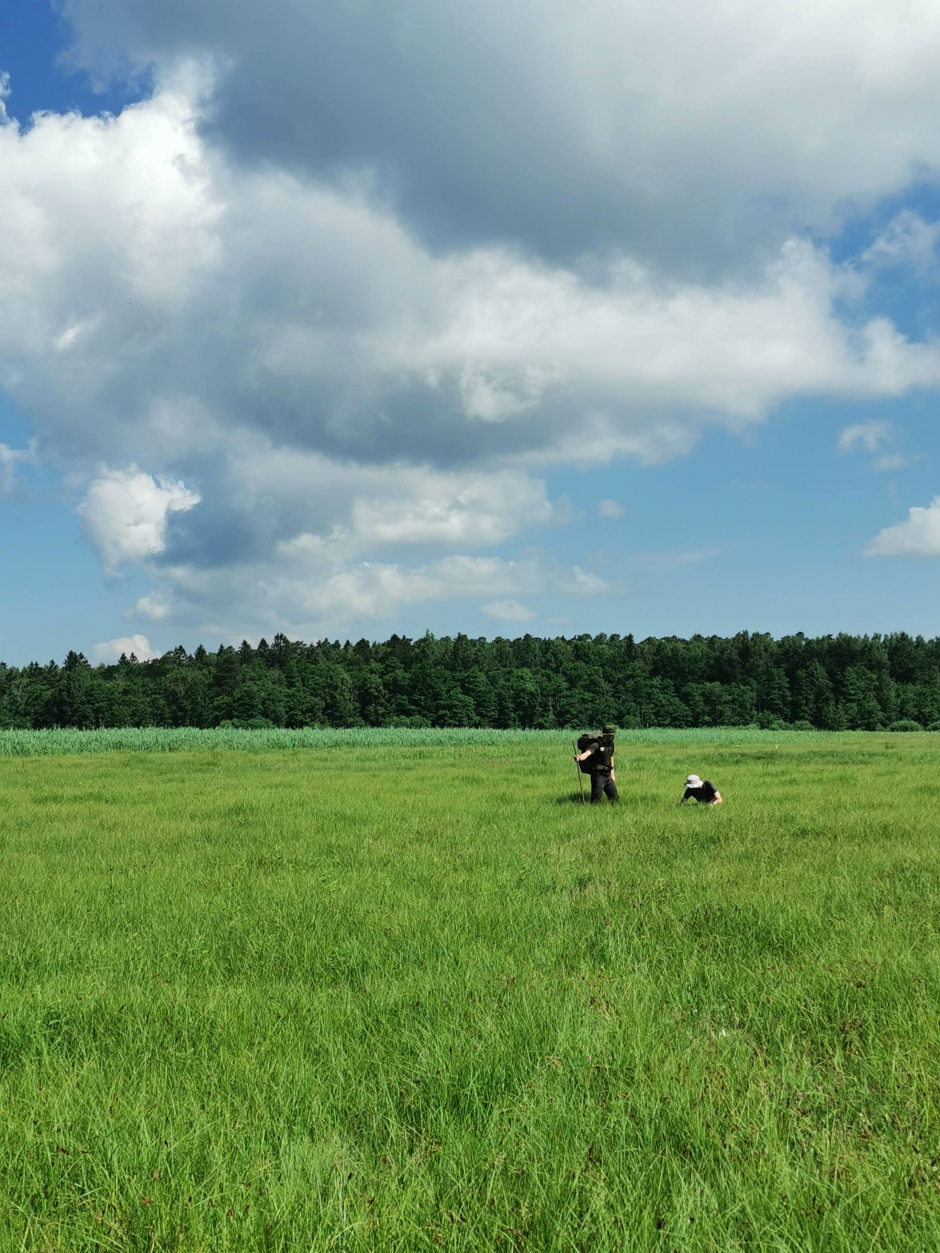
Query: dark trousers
x=602 y=783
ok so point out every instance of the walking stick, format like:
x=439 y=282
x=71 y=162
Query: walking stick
x=578 y=768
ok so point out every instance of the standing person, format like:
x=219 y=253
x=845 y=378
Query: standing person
x=701 y=790
x=603 y=777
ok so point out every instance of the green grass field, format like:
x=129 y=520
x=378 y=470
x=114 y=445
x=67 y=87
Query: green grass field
x=411 y=995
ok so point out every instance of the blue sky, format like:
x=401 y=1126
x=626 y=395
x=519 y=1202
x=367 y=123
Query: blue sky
x=349 y=320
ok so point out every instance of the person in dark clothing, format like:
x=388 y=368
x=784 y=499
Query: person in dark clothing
x=603 y=775
x=701 y=790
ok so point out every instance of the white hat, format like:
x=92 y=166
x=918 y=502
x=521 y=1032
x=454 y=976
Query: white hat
x=693 y=781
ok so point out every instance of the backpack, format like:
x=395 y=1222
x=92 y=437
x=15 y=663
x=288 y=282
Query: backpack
x=599 y=760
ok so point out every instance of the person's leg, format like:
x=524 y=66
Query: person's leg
x=597 y=787
x=611 y=789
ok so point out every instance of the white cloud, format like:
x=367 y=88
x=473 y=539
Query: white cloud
x=10 y=458
x=162 y=300
x=587 y=584
x=867 y=435
x=609 y=509
x=907 y=240
x=661 y=561
x=342 y=391
x=455 y=510
x=153 y=607
x=508 y=611
x=892 y=461
x=125 y=513
x=352 y=509
x=871 y=436
x=918 y=536
x=312 y=590
x=694 y=131
x=110 y=651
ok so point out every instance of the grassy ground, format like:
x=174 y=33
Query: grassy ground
x=54 y=743
x=419 y=997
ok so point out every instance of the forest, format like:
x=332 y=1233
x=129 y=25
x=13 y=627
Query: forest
x=841 y=682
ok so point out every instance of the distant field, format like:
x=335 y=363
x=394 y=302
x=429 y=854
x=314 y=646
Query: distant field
x=190 y=739
x=410 y=994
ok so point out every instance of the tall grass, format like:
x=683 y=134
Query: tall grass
x=190 y=739
x=411 y=998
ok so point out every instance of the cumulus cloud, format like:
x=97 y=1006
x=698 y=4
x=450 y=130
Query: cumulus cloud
x=664 y=561
x=305 y=498
x=374 y=340
x=918 y=536
x=891 y=461
x=108 y=652
x=454 y=510
x=609 y=509
x=508 y=611
x=694 y=133
x=588 y=584
x=125 y=514
x=163 y=300
x=309 y=588
x=907 y=240
x=867 y=435
x=870 y=436
x=10 y=458
x=153 y=607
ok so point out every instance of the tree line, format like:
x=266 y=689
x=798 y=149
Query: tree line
x=842 y=682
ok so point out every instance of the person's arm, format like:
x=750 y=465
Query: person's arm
x=613 y=775
x=588 y=752
x=716 y=799
x=685 y=796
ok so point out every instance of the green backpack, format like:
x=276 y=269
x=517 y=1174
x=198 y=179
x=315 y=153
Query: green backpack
x=602 y=757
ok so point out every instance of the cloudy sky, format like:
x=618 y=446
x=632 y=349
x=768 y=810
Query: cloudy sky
x=345 y=317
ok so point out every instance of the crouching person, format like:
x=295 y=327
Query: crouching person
x=600 y=750
x=701 y=790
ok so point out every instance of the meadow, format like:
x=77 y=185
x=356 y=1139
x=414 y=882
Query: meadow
x=54 y=743
x=403 y=991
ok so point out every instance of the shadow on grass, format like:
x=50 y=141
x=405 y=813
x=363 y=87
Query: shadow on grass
x=574 y=798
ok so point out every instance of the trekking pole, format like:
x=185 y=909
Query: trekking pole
x=578 y=769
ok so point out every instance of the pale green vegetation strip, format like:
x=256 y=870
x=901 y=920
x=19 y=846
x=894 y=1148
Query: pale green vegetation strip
x=417 y=999
x=189 y=739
